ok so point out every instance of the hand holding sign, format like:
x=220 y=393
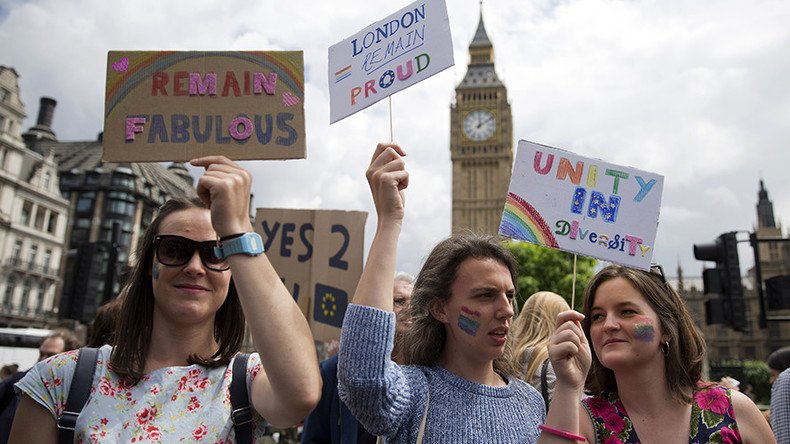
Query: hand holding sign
x=387 y=177
x=225 y=189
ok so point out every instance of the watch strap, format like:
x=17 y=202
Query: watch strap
x=250 y=244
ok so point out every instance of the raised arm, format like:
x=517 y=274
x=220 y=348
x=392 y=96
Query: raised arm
x=290 y=385
x=570 y=356
x=387 y=178
x=374 y=388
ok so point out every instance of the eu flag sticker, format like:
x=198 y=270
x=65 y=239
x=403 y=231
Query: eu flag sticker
x=330 y=305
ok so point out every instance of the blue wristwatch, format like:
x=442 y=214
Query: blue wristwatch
x=248 y=243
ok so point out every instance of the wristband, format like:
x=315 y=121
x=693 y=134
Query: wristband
x=562 y=433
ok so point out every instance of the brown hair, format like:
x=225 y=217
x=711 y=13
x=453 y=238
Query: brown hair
x=103 y=327
x=532 y=329
x=423 y=342
x=135 y=321
x=686 y=350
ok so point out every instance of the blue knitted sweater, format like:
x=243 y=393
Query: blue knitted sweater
x=389 y=400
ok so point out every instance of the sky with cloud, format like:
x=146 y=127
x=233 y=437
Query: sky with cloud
x=695 y=91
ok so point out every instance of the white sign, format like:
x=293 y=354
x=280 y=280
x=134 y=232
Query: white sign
x=390 y=55
x=582 y=205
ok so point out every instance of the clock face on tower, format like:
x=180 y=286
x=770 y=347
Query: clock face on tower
x=479 y=125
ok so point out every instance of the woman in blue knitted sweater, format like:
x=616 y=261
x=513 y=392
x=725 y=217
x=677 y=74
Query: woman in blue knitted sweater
x=457 y=385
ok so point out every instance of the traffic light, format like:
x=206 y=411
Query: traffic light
x=778 y=292
x=725 y=279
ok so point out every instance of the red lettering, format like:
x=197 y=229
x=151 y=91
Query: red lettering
x=231 y=82
x=158 y=84
x=180 y=83
x=370 y=86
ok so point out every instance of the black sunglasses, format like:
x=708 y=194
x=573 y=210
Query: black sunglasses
x=175 y=251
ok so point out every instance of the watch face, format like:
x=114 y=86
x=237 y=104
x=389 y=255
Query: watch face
x=479 y=125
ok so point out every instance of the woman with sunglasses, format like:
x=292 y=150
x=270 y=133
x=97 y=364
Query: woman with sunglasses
x=181 y=325
x=645 y=379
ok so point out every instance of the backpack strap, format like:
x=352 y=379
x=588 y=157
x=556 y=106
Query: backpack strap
x=79 y=393
x=241 y=414
x=544 y=383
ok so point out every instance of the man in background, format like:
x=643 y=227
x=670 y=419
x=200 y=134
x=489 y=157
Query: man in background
x=57 y=342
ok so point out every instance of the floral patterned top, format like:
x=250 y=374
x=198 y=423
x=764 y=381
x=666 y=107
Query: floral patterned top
x=171 y=404
x=712 y=418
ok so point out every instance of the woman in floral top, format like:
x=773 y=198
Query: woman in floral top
x=168 y=374
x=646 y=366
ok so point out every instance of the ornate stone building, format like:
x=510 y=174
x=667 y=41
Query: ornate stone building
x=59 y=204
x=481 y=142
x=32 y=213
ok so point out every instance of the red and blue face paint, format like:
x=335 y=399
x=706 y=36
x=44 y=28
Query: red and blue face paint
x=643 y=329
x=468 y=321
x=155 y=271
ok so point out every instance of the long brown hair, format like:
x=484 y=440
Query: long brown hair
x=423 y=342
x=686 y=350
x=532 y=329
x=135 y=321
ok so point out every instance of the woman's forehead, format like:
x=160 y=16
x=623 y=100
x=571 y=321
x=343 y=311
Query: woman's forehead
x=194 y=223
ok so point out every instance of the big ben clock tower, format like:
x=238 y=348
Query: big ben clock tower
x=481 y=146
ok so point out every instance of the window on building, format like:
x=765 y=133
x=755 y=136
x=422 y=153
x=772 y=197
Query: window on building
x=46 y=180
x=16 y=251
x=24 y=300
x=122 y=180
x=70 y=179
x=42 y=296
x=92 y=178
x=46 y=260
x=2 y=124
x=32 y=255
x=119 y=202
x=5 y=95
x=10 y=288
x=85 y=202
x=40 y=214
x=27 y=212
x=52 y=224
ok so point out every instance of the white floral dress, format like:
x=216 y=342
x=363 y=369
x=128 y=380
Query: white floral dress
x=172 y=404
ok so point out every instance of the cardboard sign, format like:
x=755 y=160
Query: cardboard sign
x=582 y=205
x=176 y=106
x=318 y=255
x=390 y=55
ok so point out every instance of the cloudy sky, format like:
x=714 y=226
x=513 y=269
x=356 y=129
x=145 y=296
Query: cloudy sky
x=696 y=91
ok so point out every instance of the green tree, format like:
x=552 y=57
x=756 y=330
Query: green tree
x=545 y=269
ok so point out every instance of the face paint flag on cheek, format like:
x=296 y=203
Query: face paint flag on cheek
x=467 y=322
x=155 y=271
x=643 y=329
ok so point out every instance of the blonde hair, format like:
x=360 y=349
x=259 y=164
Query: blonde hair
x=533 y=328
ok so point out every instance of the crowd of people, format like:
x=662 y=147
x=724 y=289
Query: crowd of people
x=442 y=357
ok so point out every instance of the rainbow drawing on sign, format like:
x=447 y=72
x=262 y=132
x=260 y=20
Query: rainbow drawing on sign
x=520 y=220
x=343 y=73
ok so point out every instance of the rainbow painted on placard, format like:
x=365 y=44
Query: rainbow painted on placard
x=142 y=64
x=520 y=220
